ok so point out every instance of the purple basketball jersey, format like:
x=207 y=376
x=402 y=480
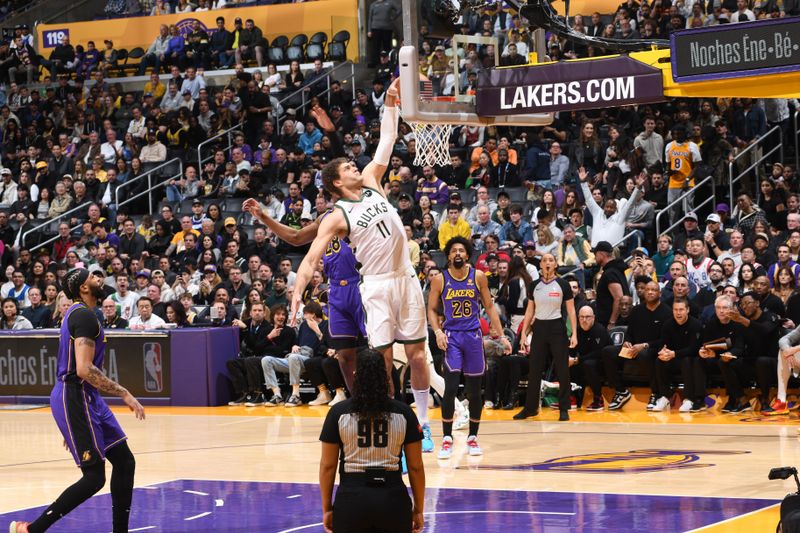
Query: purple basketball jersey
x=460 y=301
x=345 y=312
x=66 y=346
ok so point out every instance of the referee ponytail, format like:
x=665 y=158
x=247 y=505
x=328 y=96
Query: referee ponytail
x=370 y=386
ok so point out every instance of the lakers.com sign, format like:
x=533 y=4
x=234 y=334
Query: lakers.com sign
x=567 y=86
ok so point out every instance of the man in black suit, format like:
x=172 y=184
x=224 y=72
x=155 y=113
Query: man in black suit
x=245 y=370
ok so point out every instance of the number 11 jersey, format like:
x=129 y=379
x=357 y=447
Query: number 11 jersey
x=376 y=234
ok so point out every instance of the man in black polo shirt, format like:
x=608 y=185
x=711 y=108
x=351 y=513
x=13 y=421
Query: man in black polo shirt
x=643 y=340
x=593 y=341
x=765 y=298
x=761 y=335
x=245 y=370
x=681 y=336
x=730 y=362
x=612 y=285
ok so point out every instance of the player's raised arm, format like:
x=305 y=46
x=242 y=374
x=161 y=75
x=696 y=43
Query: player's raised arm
x=332 y=225
x=295 y=237
x=373 y=173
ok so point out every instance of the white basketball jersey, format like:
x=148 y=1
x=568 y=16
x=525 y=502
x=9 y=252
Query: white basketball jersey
x=376 y=233
x=699 y=274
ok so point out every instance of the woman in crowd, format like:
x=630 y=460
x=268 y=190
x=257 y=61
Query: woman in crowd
x=545 y=242
x=427 y=236
x=253 y=296
x=176 y=314
x=513 y=294
x=587 y=151
x=747 y=275
x=424 y=205
x=785 y=284
x=159 y=243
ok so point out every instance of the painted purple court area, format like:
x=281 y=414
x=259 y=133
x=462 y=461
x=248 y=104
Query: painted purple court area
x=239 y=507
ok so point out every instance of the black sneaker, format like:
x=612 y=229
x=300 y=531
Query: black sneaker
x=240 y=400
x=740 y=407
x=597 y=404
x=293 y=401
x=563 y=416
x=621 y=398
x=730 y=405
x=525 y=413
x=256 y=401
x=651 y=403
x=275 y=401
x=698 y=406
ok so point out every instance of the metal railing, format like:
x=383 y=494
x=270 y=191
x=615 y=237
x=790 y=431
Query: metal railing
x=758 y=144
x=680 y=199
x=796 y=136
x=150 y=186
x=304 y=90
x=227 y=133
x=58 y=236
x=54 y=221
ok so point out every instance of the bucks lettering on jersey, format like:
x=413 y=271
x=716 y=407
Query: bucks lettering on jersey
x=376 y=233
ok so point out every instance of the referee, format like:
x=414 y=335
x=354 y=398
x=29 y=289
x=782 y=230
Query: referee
x=369 y=432
x=548 y=297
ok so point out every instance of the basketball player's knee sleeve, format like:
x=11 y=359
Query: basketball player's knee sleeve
x=451 y=381
x=472 y=384
x=122 y=459
x=93 y=480
x=383 y=152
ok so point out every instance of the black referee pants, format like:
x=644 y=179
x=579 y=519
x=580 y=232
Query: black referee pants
x=359 y=508
x=549 y=342
x=246 y=374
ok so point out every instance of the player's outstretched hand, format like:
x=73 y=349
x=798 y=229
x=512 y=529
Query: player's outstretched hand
x=252 y=206
x=134 y=405
x=322 y=118
x=506 y=345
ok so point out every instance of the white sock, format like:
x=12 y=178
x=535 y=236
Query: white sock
x=421 y=399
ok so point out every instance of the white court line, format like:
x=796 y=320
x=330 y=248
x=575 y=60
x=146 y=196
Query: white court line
x=486 y=511
x=195 y=517
x=219 y=502
x=196 y=492
x=246 y=420
x=141 y=528
x=732 y=519
x=293 y=496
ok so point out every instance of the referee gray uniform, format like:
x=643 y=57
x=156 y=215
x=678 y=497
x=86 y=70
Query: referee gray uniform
x=371 y=494
x=549 y=340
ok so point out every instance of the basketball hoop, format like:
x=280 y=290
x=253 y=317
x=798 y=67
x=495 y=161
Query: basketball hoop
x=433 y=140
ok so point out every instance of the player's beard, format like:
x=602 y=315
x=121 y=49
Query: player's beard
x=97 y=292
x=458 y=262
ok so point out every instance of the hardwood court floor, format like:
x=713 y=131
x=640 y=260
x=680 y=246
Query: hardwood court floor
x=601 y=471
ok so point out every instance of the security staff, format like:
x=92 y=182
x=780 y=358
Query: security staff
x=547 y=298
x=369 y=432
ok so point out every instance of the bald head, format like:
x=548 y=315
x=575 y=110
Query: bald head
x=586 y=318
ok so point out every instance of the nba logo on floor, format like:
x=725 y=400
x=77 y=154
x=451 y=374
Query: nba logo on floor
x=153 y=378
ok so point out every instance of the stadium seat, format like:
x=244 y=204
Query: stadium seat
x=319 y=38
x=122 y=59
x=295 y=53
x=276 y=53
x=439 y=257
x=315 y=51
x=137 y=54
x=337 y=49
x=299 y=40
x=517 y=194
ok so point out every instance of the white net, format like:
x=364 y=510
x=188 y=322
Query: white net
x=433 y=143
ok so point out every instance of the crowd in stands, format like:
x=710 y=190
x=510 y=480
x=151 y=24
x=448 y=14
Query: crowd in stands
x=137 y=8
x=586 y=188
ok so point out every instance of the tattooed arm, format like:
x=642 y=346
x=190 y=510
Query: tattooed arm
x=84 y=353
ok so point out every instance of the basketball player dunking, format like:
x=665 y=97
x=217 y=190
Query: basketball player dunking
x=345 y=312
x=390 y=293
x=90 y=430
